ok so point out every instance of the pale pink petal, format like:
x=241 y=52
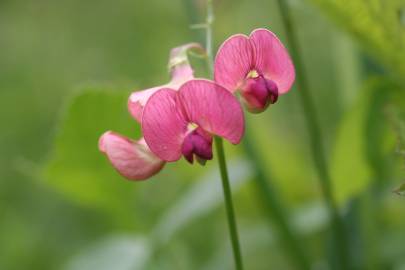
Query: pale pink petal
x=213 y=108
x=163 y=125
x=137 y=101
x=179 y=65
x=132 y=159
x=233 y=62
x=272 y=59
x=180 y=72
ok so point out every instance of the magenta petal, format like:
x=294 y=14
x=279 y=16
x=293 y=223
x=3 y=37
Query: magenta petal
x=272 y=59
x=233 y=62
x=163 y=125
x=132 y=159
x=213 y=108
x=199 y=143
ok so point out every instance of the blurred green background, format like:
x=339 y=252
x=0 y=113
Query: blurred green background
x=66 y=70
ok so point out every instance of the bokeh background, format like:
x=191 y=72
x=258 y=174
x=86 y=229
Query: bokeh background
x=66 y=70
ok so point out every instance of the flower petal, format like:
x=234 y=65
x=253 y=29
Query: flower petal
x=179 y=65
x=132 y=159
x=180 y=72
x=233 y=62
x=213 y=108
x=137 y=101
x=163 y=125
x=272 y=59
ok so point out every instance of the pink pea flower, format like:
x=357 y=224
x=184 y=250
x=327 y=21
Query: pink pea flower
x=182 y=123
x=258 y=66
x=133 y=158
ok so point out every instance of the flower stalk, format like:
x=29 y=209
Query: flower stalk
x=233 y=230
x=230 y=213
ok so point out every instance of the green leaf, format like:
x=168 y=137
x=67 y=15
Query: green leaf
x=289 y=168
x=361 y=141
x=349 y=168
x=396 y=113
x=75 y=167
x=377 y=24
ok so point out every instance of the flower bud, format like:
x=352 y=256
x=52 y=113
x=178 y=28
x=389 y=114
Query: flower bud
x=258 y=93
x=197 y=143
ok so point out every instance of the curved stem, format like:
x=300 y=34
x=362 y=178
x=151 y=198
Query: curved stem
x=316 y=139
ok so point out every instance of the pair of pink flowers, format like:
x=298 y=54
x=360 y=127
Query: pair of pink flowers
x=181 y=117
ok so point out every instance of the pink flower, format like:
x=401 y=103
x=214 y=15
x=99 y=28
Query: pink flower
x=133 y=159
x=257 y=66
x=182 y=123
x=180 y=71
x=176 y=123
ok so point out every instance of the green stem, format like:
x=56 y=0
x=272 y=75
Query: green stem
x=208 y=39
x=233 y=230
x=316 y=139
x=230 y=213
x=275 y=209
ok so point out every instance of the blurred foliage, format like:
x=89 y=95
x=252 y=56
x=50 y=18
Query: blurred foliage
x=62 y=206
x=379 y=25
x=76 y=166
x=350 y=139
x=400 y=190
